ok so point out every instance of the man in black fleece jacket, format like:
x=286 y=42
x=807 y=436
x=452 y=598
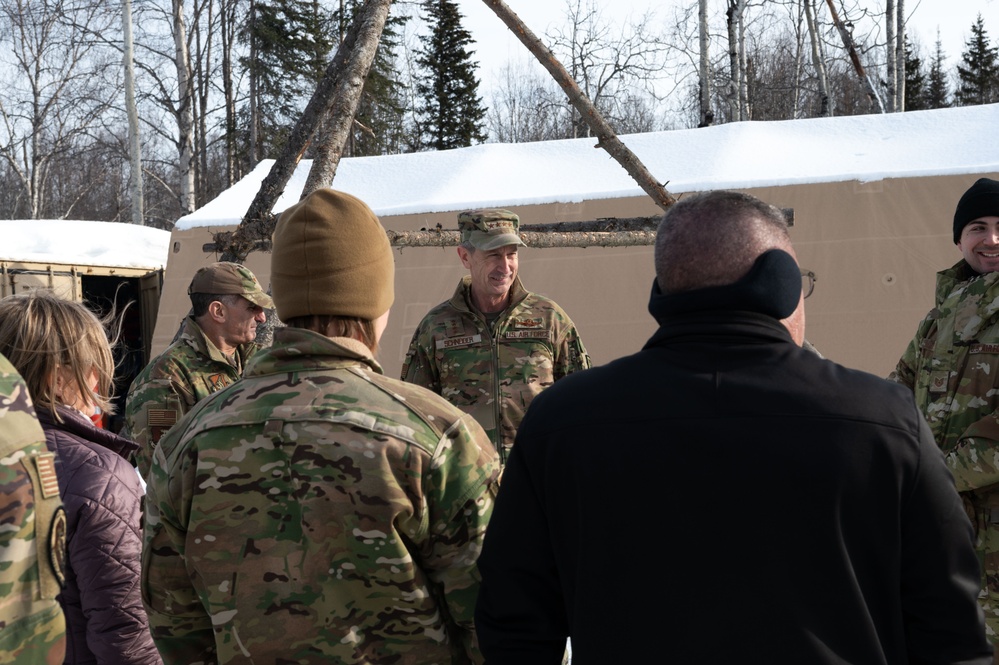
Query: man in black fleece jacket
x=723 y=495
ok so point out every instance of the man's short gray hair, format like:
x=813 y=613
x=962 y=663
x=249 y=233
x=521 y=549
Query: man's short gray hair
x=713 y=239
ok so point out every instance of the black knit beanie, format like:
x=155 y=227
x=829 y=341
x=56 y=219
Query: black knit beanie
x=981 y=200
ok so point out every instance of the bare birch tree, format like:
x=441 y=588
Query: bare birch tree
x=66 y=82
x=894 y=78
x=900 y=55
x=131 y=109
x=818 y=59
x=707 y=116
x=735 y=14
x=185 y=109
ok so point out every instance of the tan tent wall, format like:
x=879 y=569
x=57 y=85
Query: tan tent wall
x=875 y=248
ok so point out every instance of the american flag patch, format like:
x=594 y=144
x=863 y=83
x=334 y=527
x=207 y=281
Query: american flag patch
x=45 y=463
x=162 y=417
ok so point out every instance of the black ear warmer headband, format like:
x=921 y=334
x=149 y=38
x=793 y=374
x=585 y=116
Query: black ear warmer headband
x=772 y=287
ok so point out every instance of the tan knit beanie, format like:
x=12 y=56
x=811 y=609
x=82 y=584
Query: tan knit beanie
x=331 y=256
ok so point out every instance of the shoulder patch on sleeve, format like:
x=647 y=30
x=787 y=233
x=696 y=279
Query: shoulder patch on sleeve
x=57 y=545
x=45 y=464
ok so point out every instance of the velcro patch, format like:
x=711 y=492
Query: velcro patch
x=454 y=327
x=57 y=545
x=45 y=463
x=159 y=421
x=535 y=322
x=526 y=334
x=458 y=342
x=162 y=417
x=984 y=348
x=217 y=381
x=938 y=382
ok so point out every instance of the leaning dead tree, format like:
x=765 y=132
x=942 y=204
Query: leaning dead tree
x=336 y=101
x=851 y=48
x=338 y=93
x=606 y=137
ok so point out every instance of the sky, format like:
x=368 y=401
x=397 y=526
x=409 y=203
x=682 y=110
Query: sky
x=496 y=45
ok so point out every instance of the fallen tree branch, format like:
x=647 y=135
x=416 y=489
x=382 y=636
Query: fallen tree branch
x=606 y=137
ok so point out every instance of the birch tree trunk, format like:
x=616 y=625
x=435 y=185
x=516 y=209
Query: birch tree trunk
x=346 y=97
x=704 y=66
x=185 y=110
x=818 y=61
x=744 y=71
x=606 y=138
x=891 y=73
x=735 y=70
x=900 y=55
x=228 y=30
x=134 y=145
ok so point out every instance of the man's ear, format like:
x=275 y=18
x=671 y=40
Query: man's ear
x=217 y=311
x=463 y=255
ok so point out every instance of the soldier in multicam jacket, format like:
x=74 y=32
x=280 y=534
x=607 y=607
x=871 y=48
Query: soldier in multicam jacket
x=210 y=354
x=32 y=533
x=318 y=511
x=493 y=346
x=952 y=366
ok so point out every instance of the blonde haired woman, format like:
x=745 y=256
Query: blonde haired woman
x=62 y=351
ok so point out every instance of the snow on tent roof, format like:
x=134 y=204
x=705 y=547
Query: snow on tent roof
x=63 y=241
x=733 y=156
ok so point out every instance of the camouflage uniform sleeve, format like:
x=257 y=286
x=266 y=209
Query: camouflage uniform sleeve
x=32 y=533
x=974 y=461
x=570 y=354
x=460 y=492
x=180 y=625
x=420 y=367
x=905 y=370
x=152 y=408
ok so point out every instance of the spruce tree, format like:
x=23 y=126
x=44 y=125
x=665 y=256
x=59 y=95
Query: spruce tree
x=449 y=105
x=979 y=71
x=289 y=49
x=937 y=91
x=916 y=98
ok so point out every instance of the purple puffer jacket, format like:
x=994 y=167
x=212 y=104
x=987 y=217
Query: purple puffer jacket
x=105 y=620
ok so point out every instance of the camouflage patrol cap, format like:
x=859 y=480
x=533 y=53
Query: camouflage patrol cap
x=489 y=229
x=224 y=278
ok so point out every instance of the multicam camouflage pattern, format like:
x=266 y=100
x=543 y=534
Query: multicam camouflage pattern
x=952 y=366
x=32 y=533
x=191 y=369
x=323 y=513
x=489 y=229
x=494 y=374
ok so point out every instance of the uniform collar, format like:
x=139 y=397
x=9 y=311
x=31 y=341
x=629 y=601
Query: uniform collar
x=462 y=298
x=297 y=348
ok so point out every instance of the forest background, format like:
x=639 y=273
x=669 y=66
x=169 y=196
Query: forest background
x=201 y=90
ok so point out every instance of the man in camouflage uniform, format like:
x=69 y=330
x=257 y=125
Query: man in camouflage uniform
x=32 y=533
x=952 y=366
x=212 y=350
x=318 y=511
x=493 y=346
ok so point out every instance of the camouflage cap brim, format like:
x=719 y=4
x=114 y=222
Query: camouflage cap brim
x=486 y=241
x=260 y=298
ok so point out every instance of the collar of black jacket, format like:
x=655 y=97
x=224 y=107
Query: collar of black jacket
x=771 y=287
